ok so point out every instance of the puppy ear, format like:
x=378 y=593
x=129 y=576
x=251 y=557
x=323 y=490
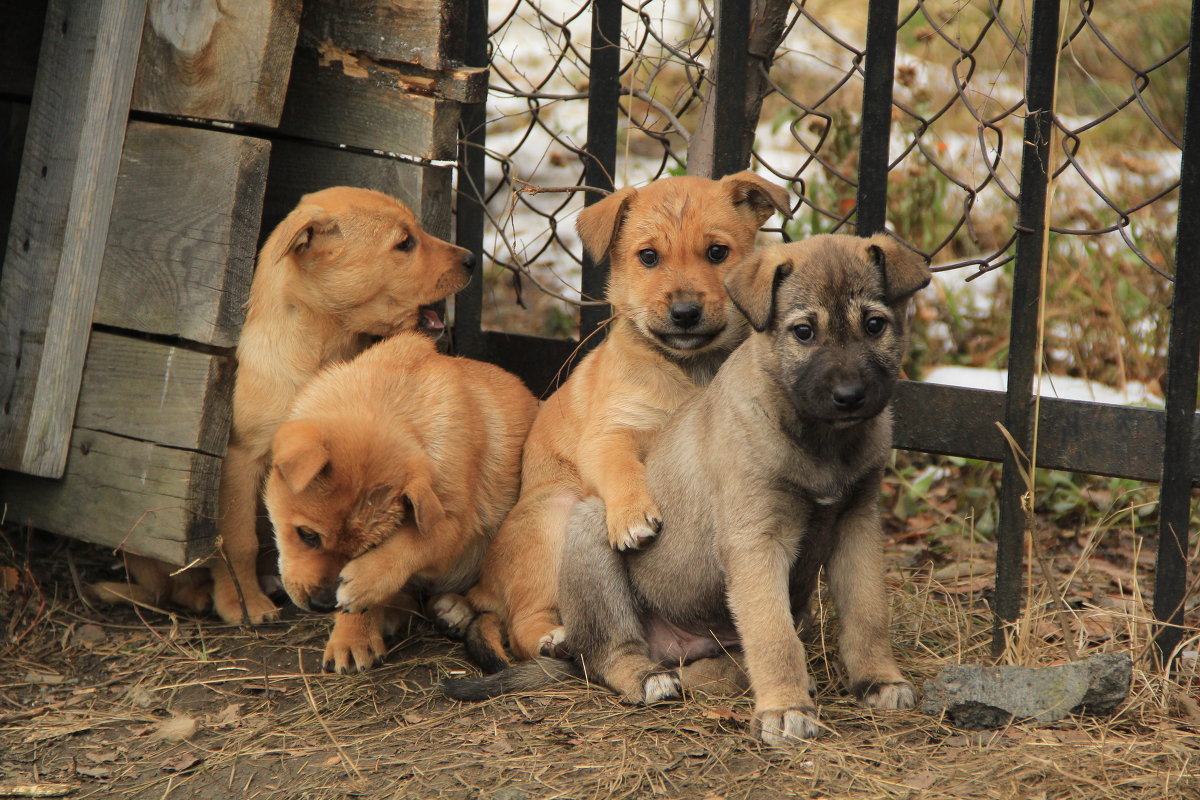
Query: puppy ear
x=752 y=283
x=904 y=273
x=305 y=233
x=598 y=224
x=299 y=452
x=761 y=197
x=426 y=506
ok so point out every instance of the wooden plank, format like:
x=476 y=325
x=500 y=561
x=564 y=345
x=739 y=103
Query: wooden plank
x=338 y=99
x=297 y=169
x=60 y=220
x=156 y=392
x=415 y=31
x=153 y=500
x=217 y=60
x=20 y=40
x=180 y=251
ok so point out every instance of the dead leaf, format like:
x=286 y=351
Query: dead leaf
x=229 y=716
x=176 y=728
x=10 y=580
x=181 y=762
x=1191 y=708
x=332 y=761
x=44 y=678
x=89 y=635
x=920 y=780
x=47 y=732
x=94 y=772
x=412 y=719
x=499 y=746
x=724 y=712
x=100 y=756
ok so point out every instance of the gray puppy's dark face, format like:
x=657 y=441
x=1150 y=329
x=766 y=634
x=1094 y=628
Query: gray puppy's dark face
x=833 y=310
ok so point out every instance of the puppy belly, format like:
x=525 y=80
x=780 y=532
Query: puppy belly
x=671 y=644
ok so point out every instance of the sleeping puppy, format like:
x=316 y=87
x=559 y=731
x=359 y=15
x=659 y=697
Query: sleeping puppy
x=769 y=475
x=390 y=478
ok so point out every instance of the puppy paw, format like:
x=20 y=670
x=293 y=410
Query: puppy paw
x=897 y=695
x=359 y=588
x=552 y=645
x=787 y=727
x=634 y=525
x=259 y=608
x=355 y=644
x=661 y=686
x=451 y=615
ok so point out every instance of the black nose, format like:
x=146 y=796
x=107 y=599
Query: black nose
x=849 y=396
x=468 y=261
x=685 y=315
x=323 y=600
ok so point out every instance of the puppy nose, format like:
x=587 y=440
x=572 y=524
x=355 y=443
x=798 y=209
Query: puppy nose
x=849 y=396
x=685 y=315
x=323 y=600
x=468 y=261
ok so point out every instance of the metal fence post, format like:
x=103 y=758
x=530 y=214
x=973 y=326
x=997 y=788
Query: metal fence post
x=604 y=93
x=871 y=206
x=1174 y=510
x=1032 y=229
x=732 y=38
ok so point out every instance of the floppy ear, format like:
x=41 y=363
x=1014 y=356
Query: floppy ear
x=904 y=272
x=598 y=224
x=305 y=233
x=300 y=453
x=761 y=197
x=752 y=283
x=426 y=507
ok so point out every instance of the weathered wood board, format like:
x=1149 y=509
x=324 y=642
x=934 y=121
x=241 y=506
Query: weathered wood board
x=180 y=251
x=215 y=59
x=415 y=31
x=60 y=220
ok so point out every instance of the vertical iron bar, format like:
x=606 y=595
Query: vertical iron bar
x=1183 y=355
x=469 y=212
x=878 y=79
x=604 y=92
x=732 y=41
x=1027 y=288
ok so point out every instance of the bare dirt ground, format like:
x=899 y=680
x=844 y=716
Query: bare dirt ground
x=123 y=702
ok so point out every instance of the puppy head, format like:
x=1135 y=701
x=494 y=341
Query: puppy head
x=670 y=245
x=832 y=309
x=335 y=490
x=360 y=257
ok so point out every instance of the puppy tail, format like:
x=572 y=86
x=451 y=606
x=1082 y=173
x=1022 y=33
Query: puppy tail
x=526 y=677
x=484 y=641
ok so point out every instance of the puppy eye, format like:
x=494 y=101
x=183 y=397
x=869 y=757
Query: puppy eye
x=804 y=333
x=648 y=257
x=875 y=325
x=406 y=244
x=718 y=253
x=309 y=537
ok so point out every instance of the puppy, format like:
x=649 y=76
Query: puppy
x=393 y=473
x=670 y=245
x=345 y=265
x=767 y=476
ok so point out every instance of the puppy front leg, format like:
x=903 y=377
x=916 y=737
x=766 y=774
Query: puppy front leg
x=856 y=581
x=241 y=480
x=377 y=575
x=757 y=566
x=611 y=469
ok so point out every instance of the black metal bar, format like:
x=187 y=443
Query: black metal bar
x=1183 y=355
x=1027 y=289
x=871 y=213
x=732 y=39
x=604 y=92
x=469 y=211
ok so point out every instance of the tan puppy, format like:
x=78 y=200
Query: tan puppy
x=345 y=265
x=393 y=471
x=768 y=475
x=670 y=245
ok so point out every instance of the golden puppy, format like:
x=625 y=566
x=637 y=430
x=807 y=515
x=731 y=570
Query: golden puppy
x=345 y=265
x=393 y=473
x=670 y=245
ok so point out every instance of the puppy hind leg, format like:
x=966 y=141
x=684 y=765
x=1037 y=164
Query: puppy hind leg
x=234 y=572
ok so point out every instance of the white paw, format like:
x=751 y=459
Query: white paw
x=661 y=686
x=452 y=613
x=788 y=727
x=551 y=645
x=898 y=695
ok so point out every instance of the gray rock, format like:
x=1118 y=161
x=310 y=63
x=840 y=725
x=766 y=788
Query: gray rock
x=975 y=697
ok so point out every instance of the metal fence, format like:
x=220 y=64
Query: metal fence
x=996 y=135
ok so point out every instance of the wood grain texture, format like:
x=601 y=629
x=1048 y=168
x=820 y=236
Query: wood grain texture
x=333 y=97
x=416 y=31
x=156 y=392
x=216 y=59
x=20 y=40
x=60 y=220
x=152 y=500
x=297 y=169
x=181 y=245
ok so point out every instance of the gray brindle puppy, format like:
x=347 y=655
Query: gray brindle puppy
x=765 y=477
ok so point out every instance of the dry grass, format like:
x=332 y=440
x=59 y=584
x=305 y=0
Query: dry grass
x=121 y=703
